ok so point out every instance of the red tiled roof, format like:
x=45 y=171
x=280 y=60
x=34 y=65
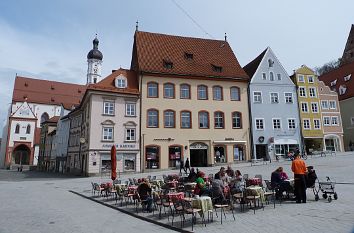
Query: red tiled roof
x=151 y=50
x=339 y=74
x=54 y=119
x=251 y=67
x=108 y=83
x=47 y=92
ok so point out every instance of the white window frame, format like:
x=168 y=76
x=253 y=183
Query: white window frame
x=303 y=122
x=305 y=94
x=121 y=82
x=261 y=120
x=287 y=98
x=169 y=121
x=316 y=104
x=258 y=102
x=128 y=133
x=290 y=122
x=307 y=107
x=330 y=104
x=185 y=89
x=273 y=121
x=130 y=109
x=337 y=121
x=105 y=131
x=308 y=79
x=314 y=123
x=327 y=105
x=110 y=111
x=271 y=97
x=184 y=117
x=302 y=78
x=324 y=120
x=314 y=92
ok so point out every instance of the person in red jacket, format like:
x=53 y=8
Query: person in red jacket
x=298 y=166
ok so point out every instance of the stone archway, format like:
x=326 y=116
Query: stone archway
x=21 y=155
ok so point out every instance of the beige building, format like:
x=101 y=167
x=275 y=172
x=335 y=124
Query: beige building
x=194 y=101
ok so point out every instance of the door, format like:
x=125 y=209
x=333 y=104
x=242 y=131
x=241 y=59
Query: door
x=261 y=151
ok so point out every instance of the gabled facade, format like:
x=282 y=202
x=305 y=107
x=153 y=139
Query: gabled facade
x=273 y=108
x=331 y=119
x=348 y=53
x=309 y=107
x=193 y=101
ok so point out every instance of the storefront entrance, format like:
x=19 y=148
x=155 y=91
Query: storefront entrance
x=21 y=155
x=261 y=151
x=332 y=143
x=199 y=155
x=174 y=155
x=219 y=154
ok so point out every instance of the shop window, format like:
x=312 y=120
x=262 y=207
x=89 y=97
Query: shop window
x=174 y=154
x=219 y=154
x=152 y=156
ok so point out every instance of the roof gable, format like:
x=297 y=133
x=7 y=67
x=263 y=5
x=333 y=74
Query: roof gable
x=176 y=55
x=304 y=70
x=24 y=111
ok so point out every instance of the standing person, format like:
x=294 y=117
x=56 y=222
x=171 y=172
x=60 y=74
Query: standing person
x=298 y=166
x=187 y=166
x=181 y=166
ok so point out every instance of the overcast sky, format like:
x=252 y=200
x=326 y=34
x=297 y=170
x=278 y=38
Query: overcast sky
x=50 y=39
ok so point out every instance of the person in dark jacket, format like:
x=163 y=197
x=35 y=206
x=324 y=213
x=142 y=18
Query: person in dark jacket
x=181 y=166
x=187 y=166
x=192 y=176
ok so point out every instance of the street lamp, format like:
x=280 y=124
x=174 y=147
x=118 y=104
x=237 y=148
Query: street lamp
x=82 y=141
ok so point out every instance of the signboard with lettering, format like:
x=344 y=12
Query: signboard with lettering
x=120 y=146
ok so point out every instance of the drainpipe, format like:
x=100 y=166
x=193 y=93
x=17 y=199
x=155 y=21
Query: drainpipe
x=251 y=122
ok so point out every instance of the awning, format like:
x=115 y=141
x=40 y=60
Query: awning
x=285 y=141
x=229 y=142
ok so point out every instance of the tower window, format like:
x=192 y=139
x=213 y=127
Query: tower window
x=94 y=80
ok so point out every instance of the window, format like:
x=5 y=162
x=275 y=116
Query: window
x=188 y=56
x=342 y=89
x=300 y=79
x=332 y=104
x=279 y=76
x=169 y=119
x=107 y=134
x=152 y=157
x=347 y=78
x=324 y=104
x=307 y=124
x=186 y=122
x=185 y=91
x=217 y=68
x=317 y=124
x=312 y=91
x=302 y=91
x=310 y=79
x=108 y=108
x=314 y=107
x=236 y=120
x=276 y=124
x=333 y=83
x=304 y=107
x=274 y=99
x=217 y=93
x=152 y=90
x=130 y=135
x=326 y=121
x=270 y=62
x=264 y=76
x=152 y=118
x=291 y=124
x=169 y=91
x=202 y=92
x=259 y=124
x=28 y=129
x=271 y=76
x=218 y=120
x=288 y=98
x=257 y=97
x=121 y=82
x=44 y=117
x=203 y=120
x=334 y=120
x=235 y=93
x=130 y=109
x=17 y=129
x=167 y=64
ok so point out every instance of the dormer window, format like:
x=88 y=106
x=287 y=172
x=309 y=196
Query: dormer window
x=270 y=62
x=188 y=56
x=167 y=64
x=52 y=87
x=121 y=82
x=333 y=83
x=347 y=78
x=217 y=68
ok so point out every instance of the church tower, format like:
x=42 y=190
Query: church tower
x=94 y=63
x=348 y=54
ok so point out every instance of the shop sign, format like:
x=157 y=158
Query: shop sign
x=120 y=146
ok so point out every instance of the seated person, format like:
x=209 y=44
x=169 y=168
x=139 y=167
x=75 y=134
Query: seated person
x=230 y=172
x=311 y=177
x=237 y=184
x=283 y=175
x=144 y=191
x=218 y=174
x=218 y=191
x=201 y=188
x=192 y=175
x=276 y=181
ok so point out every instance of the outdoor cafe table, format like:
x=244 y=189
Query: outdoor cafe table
x=120 y=187
x=255 y=191
x=204 y=203
x=132 y=188
x=176 y=196
x=291 y=181
x=158 y=183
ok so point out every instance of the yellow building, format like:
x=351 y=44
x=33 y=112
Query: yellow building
x=194 y=102
x=310 y=108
